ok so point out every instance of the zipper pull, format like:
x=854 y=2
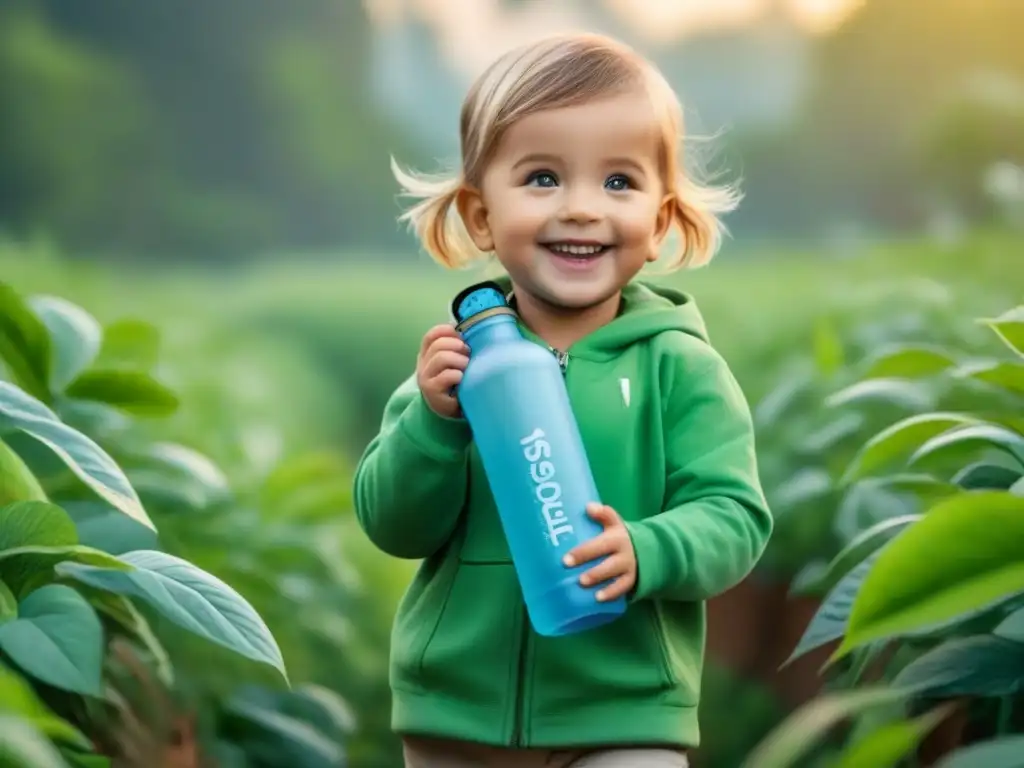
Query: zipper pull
x=562 y=357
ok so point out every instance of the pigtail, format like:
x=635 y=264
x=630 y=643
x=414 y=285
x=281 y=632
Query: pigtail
x=434 y=218
x=696 y=212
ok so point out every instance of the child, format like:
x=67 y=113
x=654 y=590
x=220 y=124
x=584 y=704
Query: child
x=570 y=175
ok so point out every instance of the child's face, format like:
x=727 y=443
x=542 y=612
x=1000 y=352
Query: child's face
x=573 y=203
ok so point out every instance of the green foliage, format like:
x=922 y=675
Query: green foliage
x=926 y=573
x=83 y=570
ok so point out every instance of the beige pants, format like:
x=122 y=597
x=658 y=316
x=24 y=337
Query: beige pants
x=437 y=753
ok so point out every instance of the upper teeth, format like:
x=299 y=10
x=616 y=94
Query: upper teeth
x=576 y=250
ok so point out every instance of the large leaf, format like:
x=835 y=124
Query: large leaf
x=798 y=734
x=24 y=343
x=178 y=476
x=1007 y=752
x=35 y=523
x=898 y=392
x=190 y=597
x=900 y=440
x=24 y=567
x=276 y=738
x=83 y=456
x=8 y=604
x=57 y=638
x=1010 y=328
x=1002 y=374
x=22 y=746
x=74 y=334
x=909 y=362
x=102 y=527
x=17 y=483
x=17 y=698
x=963 y=555
x=983 y=475
x=888 y=745
x=129 y=343
x=829 y=621
x=134 y=392
x=969 y=438
x=865 y=544
x=980 y=666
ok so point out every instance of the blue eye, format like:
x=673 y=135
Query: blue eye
x=618 y=183
x=542 y=179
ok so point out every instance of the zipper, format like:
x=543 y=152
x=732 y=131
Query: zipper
x=524 y=639
x=517 y=725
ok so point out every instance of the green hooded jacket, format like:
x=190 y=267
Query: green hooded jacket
x=670 y=440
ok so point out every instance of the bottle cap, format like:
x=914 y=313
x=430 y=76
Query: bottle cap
x=476 y=299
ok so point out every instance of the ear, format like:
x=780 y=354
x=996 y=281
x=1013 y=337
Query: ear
x=663 y=223
x=470 y=204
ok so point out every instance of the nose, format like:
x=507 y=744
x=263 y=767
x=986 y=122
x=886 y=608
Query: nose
x=580 y=205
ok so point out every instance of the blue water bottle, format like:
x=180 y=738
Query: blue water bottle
x=514 y=398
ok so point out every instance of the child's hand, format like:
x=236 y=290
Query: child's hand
x=614 y=542
x=442 y=359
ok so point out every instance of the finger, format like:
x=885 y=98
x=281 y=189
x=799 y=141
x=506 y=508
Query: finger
x=604 y=544
x=614 y=566
x=603 y=514
x=446 y=381
x=444 y=361
x=435 y=333
x=616 y=589
x=447 y=344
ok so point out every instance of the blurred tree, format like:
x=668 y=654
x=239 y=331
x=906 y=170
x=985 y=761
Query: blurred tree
x=192 y=128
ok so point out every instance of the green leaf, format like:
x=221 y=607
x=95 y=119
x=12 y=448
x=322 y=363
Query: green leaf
x=798 y=734
x=898 y=392
x=121 y=610
x=84 y=760
x=134 y=392
x=17 y=482
x=74 y=334
x=84 y=457
x=1012 y=627
x=130 y=343
x=888 y=745
x=1005 y=375
x=829 y=621
x=1007 y=752
x=22 y=746
x=828 y=348
x=909 y=362
x=22 y=567
x=189 y=597
x=24 y=343
x=8 y=604
x=57 y=638
x=865 y=544
x=35 y=523
x=104 y=528
x=969 y=437
x=963 y=555
x=1010 y=328
x=18 y=699
x=900 y=440
x=984 y=476
x=982 y=666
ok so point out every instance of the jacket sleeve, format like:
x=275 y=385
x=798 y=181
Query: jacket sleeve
x=411 y=482
x=716 y=523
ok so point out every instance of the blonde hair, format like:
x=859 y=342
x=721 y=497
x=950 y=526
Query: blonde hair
x=560 y=71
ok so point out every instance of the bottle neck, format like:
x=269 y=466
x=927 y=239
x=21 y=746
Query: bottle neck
x=492 y=330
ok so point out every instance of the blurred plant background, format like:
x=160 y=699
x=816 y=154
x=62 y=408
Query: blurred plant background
x=196 y=196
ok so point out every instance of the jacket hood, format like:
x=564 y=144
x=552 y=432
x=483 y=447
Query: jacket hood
x=647 y=310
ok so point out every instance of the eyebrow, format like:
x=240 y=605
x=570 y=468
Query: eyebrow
x=544 y=158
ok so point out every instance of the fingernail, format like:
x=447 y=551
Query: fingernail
x=600 y=596
x=585 y=580
x=569 y=561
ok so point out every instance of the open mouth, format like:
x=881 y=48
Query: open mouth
x=577 y=251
